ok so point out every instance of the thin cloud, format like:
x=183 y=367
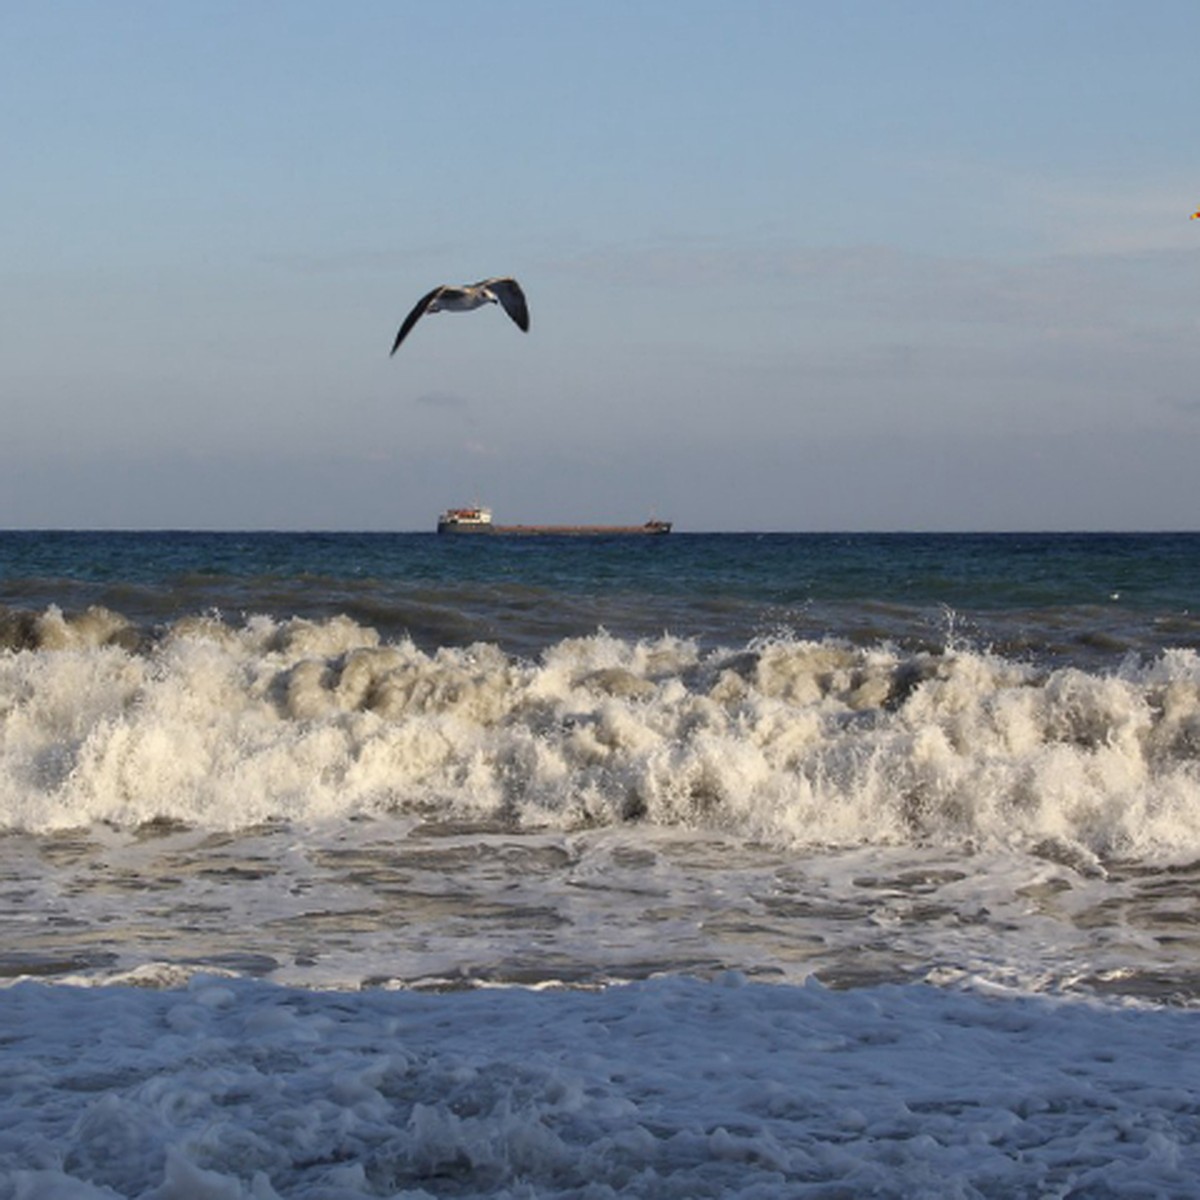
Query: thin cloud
x=1189 y=406
x=447 y=401
x=1098 y=291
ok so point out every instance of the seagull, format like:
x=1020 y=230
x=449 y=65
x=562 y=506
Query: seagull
x=504 y=291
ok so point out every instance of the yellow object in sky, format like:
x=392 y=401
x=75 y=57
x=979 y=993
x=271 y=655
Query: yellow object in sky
x=1194 y=216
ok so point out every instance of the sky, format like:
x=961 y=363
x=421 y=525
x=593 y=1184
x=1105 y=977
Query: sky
x=790 y=265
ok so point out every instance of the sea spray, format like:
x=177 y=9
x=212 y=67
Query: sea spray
x=794 y=742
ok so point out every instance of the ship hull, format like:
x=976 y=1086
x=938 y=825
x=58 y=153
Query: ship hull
x=459 y=527
x=650 y=528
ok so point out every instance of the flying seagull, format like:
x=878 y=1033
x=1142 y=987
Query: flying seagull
x=504 y=291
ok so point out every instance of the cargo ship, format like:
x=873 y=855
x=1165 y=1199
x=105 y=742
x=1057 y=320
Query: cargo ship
x=479 y=520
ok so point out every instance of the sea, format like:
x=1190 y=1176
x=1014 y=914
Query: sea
x=344 y=865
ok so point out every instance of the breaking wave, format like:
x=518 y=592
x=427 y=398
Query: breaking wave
x=791 y=742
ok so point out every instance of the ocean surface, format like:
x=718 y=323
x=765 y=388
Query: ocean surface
x=339 y=865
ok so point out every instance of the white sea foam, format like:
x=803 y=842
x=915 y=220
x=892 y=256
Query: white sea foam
x=222 y=1089
x=792 y=742
x=652 y=809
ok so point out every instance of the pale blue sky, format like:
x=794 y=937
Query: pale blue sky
x=864 y=265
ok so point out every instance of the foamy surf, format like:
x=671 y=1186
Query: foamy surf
x=236 y=1090
x=419 y=883
x=790 y=742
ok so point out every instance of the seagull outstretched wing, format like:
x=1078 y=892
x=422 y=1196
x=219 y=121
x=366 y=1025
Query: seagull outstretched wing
x=508 y=291
x=413 y=317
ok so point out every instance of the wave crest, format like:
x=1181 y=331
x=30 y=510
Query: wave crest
x=794 y=742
